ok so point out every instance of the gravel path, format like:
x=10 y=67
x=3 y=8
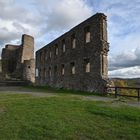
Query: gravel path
x=22 y=90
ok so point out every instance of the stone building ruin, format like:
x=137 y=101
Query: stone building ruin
x=77 y=59
x=18 y=61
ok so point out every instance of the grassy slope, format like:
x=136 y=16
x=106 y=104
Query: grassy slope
x=23 y=117
x=134 y=82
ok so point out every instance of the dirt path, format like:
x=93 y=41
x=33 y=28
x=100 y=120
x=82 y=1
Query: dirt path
x=22 y=90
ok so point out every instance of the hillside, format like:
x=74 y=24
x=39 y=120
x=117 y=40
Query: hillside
x=133 y=82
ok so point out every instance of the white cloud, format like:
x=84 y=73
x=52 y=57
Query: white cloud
x=132 y=72
x=124 y=36
x=125 y=64
x=67 y=14
x=60 y=16
x=40 y=18
x=125 y=59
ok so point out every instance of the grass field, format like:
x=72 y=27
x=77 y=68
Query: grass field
x=62 y=117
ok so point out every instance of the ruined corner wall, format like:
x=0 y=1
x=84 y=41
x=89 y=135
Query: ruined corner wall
x=25 y=52
x=29 y=70
x=27 y=48
x=27 y=58
x=55 y=61
x=13 y=57
x=10 y=56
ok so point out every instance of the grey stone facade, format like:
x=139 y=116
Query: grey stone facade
x=0 y=67
x=16 y=59
x=29 y=70
x=77 y=59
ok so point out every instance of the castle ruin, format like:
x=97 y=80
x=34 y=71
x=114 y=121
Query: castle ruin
x=77 y=59
x=18 y=60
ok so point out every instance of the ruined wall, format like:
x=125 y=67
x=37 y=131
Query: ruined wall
x=29 y=70
x=25 y=52
x=9 y=59
x=78 y=59
x=14 y=56
x=27 y=48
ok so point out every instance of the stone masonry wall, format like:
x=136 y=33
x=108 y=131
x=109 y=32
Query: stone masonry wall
x=27 y=48
x=14 y=56
x=77 y=59
x=0 y=67
x=10 y=56
x=29 y=70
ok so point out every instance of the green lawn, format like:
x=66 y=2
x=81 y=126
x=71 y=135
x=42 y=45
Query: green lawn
x=25 y=117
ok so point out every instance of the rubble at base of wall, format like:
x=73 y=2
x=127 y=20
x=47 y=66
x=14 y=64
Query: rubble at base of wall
x=98 y=87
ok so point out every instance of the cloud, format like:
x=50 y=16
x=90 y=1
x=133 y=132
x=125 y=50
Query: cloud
x=125 y=65
x=48 y=19
x=13 y=21
x=132 y=72
x=123 y=23
x=125 y=60
x=44 y=19
x=124 y=36
x=11 y=11
x=67 y=14
x=19 y=27
x=60 y=16
x=6 y=35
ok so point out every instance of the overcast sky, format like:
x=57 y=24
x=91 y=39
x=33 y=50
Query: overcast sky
x=48 y=19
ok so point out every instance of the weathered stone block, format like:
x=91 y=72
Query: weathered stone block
x=14 y=56
x=89 y=56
